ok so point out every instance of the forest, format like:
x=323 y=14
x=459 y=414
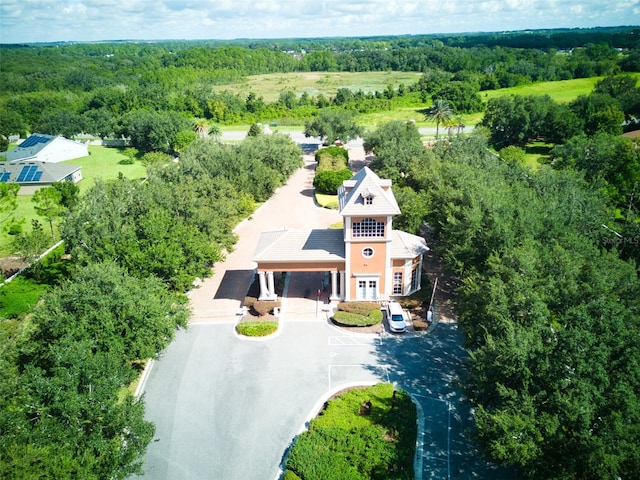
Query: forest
x=546 y=257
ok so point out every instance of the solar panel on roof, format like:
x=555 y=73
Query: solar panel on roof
x=30 y=174
x=23 y=173
x=37 y=176
x=5 y=176
x=33 y=140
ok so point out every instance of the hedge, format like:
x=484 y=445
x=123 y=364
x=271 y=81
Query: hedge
x=256 y=329
x=348 y=319
x=328 y=181
x=343 y=444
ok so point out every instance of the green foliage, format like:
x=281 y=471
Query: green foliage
x=8 y=194
x=361 y=308
x=48 y=204
x=116 y=313
x=256 y=329
x=332 y=157
x=63 y=413
x=328 y=181
x=69 y=193
x=348 y=319
x=610 y=158
x=341 y=444
x=331 y=125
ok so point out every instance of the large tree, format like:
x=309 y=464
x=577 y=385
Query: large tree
x=333 y=124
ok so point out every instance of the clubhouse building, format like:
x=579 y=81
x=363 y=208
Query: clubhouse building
x=367 y=259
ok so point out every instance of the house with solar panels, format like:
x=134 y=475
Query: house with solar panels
x=46 y=148
x=35 y=162
x=367 y=259
x=34 y=175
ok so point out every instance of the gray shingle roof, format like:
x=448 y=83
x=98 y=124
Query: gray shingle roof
x=300 y=246
x=51 y=172
x=365 y=183
x=406 y=245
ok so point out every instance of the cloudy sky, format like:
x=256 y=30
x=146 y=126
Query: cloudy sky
x=89 y=20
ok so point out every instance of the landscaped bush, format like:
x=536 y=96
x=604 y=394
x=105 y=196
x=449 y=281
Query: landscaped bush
x=332 y=158
x=362 y=308
x=264 y=307
x=328 y=181
x=256 y=329
x=347 y=319
x=343 y=444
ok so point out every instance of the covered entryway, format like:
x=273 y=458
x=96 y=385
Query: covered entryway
x=301 y=251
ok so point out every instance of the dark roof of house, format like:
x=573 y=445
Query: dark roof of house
x=26 y=173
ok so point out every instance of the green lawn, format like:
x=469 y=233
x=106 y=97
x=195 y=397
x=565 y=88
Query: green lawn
x=562 y=91
x=102 y=162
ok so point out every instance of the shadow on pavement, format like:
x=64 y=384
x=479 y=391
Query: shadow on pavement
x=234 y=285
x=430 y=369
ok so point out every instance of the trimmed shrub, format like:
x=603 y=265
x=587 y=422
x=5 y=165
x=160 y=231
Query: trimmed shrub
x=256 y=329
x=347 y=319
x=328 y=181
x=264 y=307
x=332 y=158
x=362 y=308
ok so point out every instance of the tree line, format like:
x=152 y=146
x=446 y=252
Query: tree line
x=98 y=88
x=548 y=306
x=135 y=248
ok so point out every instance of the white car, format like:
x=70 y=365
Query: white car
x=395 y=317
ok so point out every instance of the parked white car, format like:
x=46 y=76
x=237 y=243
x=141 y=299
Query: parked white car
x=395 y=317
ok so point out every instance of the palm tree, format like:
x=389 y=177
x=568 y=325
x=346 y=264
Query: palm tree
x=441 y=113
x=215 y=131
x=200 y=126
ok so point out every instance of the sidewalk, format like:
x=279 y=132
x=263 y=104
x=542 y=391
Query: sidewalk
x=219 y=297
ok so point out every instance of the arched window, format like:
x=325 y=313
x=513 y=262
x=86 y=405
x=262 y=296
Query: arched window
x=368 y=227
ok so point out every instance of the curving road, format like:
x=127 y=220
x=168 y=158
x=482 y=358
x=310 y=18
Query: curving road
x=227 y=408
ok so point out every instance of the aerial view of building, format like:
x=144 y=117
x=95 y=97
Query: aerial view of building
x=367 y=259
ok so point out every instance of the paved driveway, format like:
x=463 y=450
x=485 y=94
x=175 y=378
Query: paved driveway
x=227 y=408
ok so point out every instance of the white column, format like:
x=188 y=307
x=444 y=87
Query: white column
x=334 y=285
x=264 y=292
x=272 y=288
x=342 y=285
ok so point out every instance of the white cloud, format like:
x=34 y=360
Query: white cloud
x=54 y=20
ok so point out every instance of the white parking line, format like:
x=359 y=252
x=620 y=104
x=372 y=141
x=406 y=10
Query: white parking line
x=353 y=341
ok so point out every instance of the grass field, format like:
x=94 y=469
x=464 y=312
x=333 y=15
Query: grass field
x=270 y=85
x=102 y=162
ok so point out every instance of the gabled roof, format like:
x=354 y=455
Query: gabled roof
x=32 y=146
x=300 y=246
x=404 y=245
x=35 y=172
x=366 y=184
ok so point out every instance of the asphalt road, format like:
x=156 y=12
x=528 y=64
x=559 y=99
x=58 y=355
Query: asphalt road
x=228 y=408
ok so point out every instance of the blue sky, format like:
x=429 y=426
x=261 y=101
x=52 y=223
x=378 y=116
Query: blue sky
x=91 y=20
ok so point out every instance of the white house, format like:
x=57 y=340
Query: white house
x=46 y=148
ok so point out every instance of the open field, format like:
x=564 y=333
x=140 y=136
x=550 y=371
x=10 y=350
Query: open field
x=103 y=162
x=270 y=85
